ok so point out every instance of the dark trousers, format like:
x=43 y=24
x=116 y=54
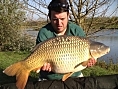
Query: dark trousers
x=99 y=82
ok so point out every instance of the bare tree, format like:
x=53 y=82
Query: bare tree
x=37 y=7
x=83 y=12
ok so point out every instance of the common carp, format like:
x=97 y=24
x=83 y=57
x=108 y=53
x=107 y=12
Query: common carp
x=66 y=54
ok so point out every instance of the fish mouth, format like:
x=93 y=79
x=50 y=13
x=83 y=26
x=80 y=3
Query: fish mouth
x=108 y=50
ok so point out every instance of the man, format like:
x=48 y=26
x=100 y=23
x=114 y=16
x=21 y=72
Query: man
x=59 y=25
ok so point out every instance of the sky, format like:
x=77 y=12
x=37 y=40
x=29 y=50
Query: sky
x=109 y=12
x=112 y=7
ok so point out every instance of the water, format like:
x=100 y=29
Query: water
x=31 y=32
x=108 y=37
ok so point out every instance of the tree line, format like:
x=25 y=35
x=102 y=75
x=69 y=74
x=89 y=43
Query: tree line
x=98 y=23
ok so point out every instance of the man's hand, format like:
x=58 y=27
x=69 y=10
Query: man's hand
x=46 y=67
x=91 y=62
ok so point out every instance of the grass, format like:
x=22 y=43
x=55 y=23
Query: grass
x=8 y=58
x=102 y=68
x=97 y=71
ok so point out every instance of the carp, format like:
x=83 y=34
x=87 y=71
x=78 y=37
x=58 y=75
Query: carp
x=66 y=54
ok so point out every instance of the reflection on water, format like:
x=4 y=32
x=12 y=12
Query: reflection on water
x=108 y=37
x=31 y=32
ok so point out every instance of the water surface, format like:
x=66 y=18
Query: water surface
x=110 y=38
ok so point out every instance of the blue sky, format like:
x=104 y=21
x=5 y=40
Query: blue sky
x=112 y=8
x=109 y=12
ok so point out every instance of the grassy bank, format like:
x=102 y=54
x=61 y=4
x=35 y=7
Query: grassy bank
x=8 y=58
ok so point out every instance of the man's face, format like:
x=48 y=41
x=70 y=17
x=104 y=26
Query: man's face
x=59 y=21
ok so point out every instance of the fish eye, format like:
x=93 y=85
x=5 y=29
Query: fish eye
x=101 y=46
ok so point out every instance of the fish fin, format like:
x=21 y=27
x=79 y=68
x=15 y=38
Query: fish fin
x=13 y=69
x=21 y=73
x=65 y=76
x=22 y=79
x=77 y=65
x=82 y=63
x=85 y=63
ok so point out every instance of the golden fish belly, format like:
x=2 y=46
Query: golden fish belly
x=67 y=60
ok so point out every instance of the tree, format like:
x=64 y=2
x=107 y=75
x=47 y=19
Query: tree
x=11 y=16
x=83 y=12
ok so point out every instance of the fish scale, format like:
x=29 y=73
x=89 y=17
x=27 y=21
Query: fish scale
x=65 y=45
x=66 y=54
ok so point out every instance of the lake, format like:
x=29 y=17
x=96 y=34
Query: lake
x=108 y=37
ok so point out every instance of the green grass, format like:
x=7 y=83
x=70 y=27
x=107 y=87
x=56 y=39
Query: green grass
x=101 y=68
x=97 y=71
x=8 y=58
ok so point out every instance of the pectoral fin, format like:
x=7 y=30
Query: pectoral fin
x=82 y=63
x=67 y=76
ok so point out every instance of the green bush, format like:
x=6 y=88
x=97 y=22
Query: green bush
x=11 y=18
x=23 y=43
x=101 y=68
x=97 y=71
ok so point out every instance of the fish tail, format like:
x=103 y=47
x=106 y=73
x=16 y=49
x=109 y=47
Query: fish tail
x=21 y=74
x=22 y=79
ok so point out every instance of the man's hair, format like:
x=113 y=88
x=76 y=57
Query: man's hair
x=58 y=6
